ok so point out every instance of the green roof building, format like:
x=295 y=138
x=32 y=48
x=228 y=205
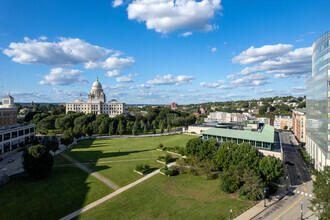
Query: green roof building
x=257 y=134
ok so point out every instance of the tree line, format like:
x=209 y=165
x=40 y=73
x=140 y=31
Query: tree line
x=80 y=124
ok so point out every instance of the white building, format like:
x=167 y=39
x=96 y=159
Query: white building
x=224 y=117
x=12 y=135
x=96 y=103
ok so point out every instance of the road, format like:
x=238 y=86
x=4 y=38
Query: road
x=14 y=167
x=300 y=191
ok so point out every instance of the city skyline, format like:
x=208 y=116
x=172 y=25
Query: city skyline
x=52 y=52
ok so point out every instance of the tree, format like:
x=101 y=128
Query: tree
x=321 y=189
x=285 y=127
x=112 y=129
x=192 y=147
x=135 y=128
x=54 y=144
x=37 y=161
x=89 y=130
x=224 y=155
x=145 y=130
x=271 y=168
x=252 y=187
x=229 y=183
x=121 y=128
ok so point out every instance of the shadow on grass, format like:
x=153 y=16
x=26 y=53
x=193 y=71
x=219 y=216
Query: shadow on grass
x=64 y=191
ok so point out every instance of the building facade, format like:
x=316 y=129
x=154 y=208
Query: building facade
x=12 y=135
x=224 y=117
x=96 y=103
x=318 y=104
x=299 y=124
x=281 y=121
x=8 y=111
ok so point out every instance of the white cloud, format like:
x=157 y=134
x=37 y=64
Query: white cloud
x=186 y=34
x=257 y=79
x=297 y=63
x=214 y=49
x=113 y=62
x=68 y=51
x=126 y=79
x=117 y=3
x=169 y=15
x=231 y=76
x=171 y=80
x=255 y=55
x=212 y=85
x=61 y=76
x=113 y=73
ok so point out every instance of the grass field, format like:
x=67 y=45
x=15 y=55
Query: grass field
x=126 y=152
x=180 y=197
x=64 y=191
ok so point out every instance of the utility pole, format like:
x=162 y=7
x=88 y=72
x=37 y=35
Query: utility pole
x=301 y=210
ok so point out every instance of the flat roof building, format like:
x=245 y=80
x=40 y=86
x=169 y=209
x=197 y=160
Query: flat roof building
x=259 y=135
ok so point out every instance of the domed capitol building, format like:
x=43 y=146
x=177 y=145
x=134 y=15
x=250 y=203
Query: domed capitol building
x=96 y=103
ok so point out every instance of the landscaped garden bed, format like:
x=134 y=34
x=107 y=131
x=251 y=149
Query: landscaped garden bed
x=142 y=169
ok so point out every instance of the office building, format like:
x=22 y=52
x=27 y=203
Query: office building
x=224 y=117
x=318 y=104
x=283 y=122
x=12 y=135
x=299 y=124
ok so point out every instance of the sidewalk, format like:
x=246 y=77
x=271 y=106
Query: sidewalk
x=89 y=171
x=258 y=208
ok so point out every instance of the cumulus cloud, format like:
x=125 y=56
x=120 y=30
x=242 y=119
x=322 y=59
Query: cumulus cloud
x=61 y=76
x=126 y=79
x=252 y=80
x=296 y=63
x=169 y=15
x=113 y=62
x=113 y=73
x=67 y=51
x=212 y=85
x=117 y=3
x=171 y=80
x=186 y=34
x=214 y=49
x=255 y=55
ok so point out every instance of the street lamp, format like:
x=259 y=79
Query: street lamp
x=264 y=197
x=231 y=214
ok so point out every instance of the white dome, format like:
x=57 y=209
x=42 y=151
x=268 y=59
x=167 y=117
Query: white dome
x=97 y=84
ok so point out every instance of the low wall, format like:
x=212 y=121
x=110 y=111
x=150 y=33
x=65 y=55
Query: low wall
x=278 y=155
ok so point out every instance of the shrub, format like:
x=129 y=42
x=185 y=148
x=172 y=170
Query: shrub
x=172 y=171
x=142 y=168
x=228 y=182
x=160 y=146
x=168 y=158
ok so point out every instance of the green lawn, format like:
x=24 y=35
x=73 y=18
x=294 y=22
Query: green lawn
x=180 y=197
x=64 y=191
x=122 y=173
x=123 y=150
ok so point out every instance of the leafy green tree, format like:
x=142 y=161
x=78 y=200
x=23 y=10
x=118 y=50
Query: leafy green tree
x=37 y=161
x=229 y=183
x=89 y=130
x=192 y=146
x=112 y=129
x=54 y=144
x=121 y=128
x=321 y=189
x=208 y=150
x=252 y=187
x=135 y=128
x=103 y=128
x=224 y=155
x=271 y=168
x=145 y=130
x=77 y=132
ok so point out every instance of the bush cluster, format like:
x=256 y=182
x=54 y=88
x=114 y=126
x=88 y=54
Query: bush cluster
x=143 y=168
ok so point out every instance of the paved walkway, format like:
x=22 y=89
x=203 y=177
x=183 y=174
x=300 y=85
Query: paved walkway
x=87 y=170
x=111 y=195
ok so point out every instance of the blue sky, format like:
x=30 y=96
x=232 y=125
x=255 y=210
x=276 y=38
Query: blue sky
x=158 y=51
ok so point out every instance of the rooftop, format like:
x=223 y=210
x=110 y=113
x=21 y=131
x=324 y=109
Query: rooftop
x=264 y=134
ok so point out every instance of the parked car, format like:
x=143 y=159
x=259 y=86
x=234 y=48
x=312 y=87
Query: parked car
x=1 y=159
x=10 y=160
